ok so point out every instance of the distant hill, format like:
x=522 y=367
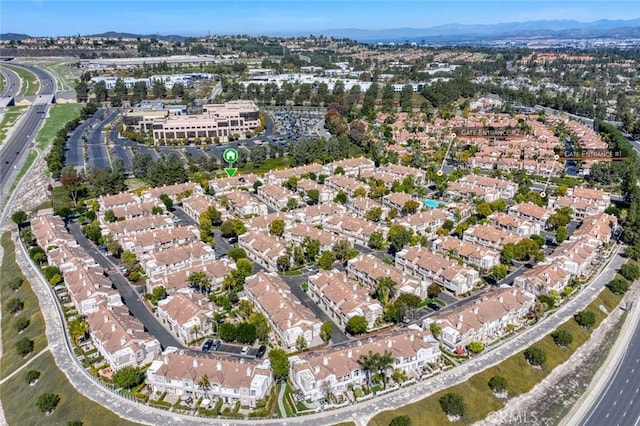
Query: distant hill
x=13 y=36
x=114 y=34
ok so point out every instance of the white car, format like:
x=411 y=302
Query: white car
x=245 y=350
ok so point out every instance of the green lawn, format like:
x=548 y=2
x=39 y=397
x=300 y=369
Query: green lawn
x=266 y=166
x=30 y=83
x=10 y=118
x=2 y=82
x=18 y=400
x=11 y=360
x=521 y=377
x=66 y=74
x=59 y=115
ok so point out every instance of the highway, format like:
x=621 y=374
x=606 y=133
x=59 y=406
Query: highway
x=619 y=403
x=23 y=136
x=12 y=83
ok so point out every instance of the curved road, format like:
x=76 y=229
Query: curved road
x=12 y=83
x=22 y=138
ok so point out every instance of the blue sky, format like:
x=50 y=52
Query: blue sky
x=185 y=17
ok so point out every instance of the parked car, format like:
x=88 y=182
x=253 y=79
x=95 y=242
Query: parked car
x=245 y=350
x=207 y=345
x=261 y=351
x=434 y=306
x=216 y=345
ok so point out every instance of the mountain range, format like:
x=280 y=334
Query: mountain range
x=559 y=29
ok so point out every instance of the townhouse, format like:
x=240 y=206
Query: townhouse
x=490 y=188
x=397 y=201
x=368 y=270
x=577 y=257
x=143 y=209
x=181 y=374
x=276 y=196
x=263 y=248
x=120 y=338
x=514 y=224
x=531 y=212
x=242 y=204
x=583 y=201
x=280 y=176
x=197 y=204
x=261 y=223
x=434 y=267
x=123 y=199
x=596 y=230
x=352 y=166
x=361 y=205
x=426 y=222
x=356 y=230
x=67 y=257
x=490 y=237
x=50 y=231
x=159 y=262
x=176 y=192
x=297 y=232
x=223 y=186
x=481 y=257
x=305 y=185
x=188 y=314
x=319 y=213
x=159 y=239
x=338 y=369
x=544 y=277
x=89 y=289
x=137 y=225
x=401 y=172
x=288 y=317
x=215 y=270
x=484 y=320
x=343 y=297
x=346 y=184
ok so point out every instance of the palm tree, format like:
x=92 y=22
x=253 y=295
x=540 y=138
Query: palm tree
x=368 y=362
x=78 y=329
x=385 y=361
x=199 y=281
x=385 y=289
x=195 y=330
x=204 y=384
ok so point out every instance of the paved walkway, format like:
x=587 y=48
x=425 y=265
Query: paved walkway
x=360 y=413
x=3 y=419
x=283 y=412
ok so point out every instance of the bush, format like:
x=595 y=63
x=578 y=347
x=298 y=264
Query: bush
x=24 y=346
x=21 y=323
x=498 y=384
x=535 y=356
x=47 y=402
x=128 y=377
x=32 y=376
x=358 y=393
x=562 y=337
x=618 y=286
x=19 y=217
x=586 y=319
x=14 y=305
x=15 y=283
x=453 y=404
x=401 y=421
x=630 y=271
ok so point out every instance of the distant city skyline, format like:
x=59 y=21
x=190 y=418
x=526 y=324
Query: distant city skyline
x=192 y=18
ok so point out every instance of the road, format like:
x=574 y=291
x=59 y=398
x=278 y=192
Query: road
x=128 y=294
x=12 y=83
x=22 y=138
x=619 y=402
x=98 y=157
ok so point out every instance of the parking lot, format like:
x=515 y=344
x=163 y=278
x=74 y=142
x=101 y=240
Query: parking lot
x=294 y=123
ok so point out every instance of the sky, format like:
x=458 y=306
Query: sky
x=200 y=17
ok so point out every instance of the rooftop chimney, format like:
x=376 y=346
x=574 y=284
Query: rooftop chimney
x=325 y=360
x=219 y=366
x=248 y=371
x=389 y=343
x=475 y=310
x=317 y=369
x=349 y=353
x=195 y=362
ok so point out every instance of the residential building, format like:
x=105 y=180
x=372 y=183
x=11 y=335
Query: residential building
x=188 y=314
x=343 y=183
x=262 y=248
x=276 y=196
x=361 y=205
x=488 y=236
x=216 y=270
x=243 y=204
x=319 y=213
x=222 y=186
x=352 y=166
x=288 y=317
x=356 y=230
x=425 y=222
x=50 y=231
x=397 y=200
x=158 y=239
x=514 y=224
x=596 y=230
x=544 y=277
x=368 y=270
x=280 y=176
x=197 y=204
x=176 y=192
x=531 y=212
x=160 y=262
x=481 y=257
x=297 y=232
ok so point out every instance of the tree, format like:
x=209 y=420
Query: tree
x=403 y=420
x=301 y=343
x=369 y=363
x=292 y=203
x=32 y=376
x=92 y=231
x=508 y=253
x=483 y=210
x=433 y=290
x=159 y=90
x=311 y=248
x=435 y=329
x=177 y=90
x=19 y=217
x=562 y=337
x=199 y=281
x=78 y=329
x=276 y=227
x=630 y=271
x=72 y=182
x=357 y=324
x=535 y=356
x=374 y=214
x=167 y=201
x=227 y=332
x=561 y=234
x=314 y=195
x=453 y=404
x=341 y=249
x=279 y=364
x=15 y=305
x=261 y=325
x=475 y=347
x=385 y=289
x=499 y=272
x=410 y=207
x=326 y=330
x=498 y=384
x=245 y=333
x=231 y=228
x=24 y=346
x=47 y=402
x=21 y=323
x=341 y=197
x=325 y=261
x=376 y=240
x=398 y=236
x=618 y=286
x=237 y=253
x=128 y=377
x=204 y=384
x=585 y=319
x=283 y=263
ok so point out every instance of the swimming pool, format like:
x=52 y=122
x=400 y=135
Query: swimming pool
x=431 y=203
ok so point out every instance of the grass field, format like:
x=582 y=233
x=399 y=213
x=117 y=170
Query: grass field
x=521 y=377
x=66 y=74
x=18 y=400
x=10 y=118
x=30 y=83
x=59 y=115
x=11 y=360
x=3 y=82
